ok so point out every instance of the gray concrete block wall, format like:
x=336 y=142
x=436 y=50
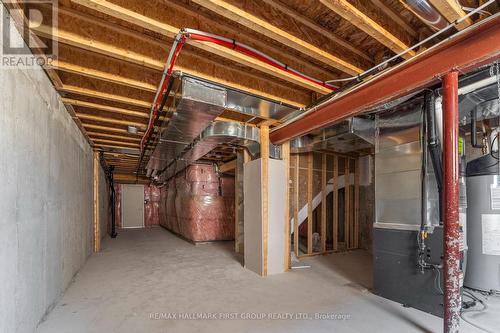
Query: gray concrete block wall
x=46 y=198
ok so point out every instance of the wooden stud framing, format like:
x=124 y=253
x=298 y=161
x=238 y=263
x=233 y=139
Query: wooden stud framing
x=285 y=152
x=356 y=204
x=309 y=201
x=97 y=225
x=335 y=228
x=228 y=166
x=323 y=202
x=347 y=211
x=296 y=207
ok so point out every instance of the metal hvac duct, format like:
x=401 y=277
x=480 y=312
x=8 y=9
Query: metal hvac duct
x=200 y=104
x=191 y=130
x=218 y=132
x=349 y=135
x=427 y=13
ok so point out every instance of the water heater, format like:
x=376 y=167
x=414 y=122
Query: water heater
x=483 y=223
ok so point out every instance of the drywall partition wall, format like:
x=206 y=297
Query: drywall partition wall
x=257 y=259
x=46 y=198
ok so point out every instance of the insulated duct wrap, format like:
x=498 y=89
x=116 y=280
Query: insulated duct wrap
x=198 y=205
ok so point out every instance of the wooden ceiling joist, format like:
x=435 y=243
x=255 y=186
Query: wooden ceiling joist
x=451 y=11
x=104 y=96
x=314 y=26
x=111 y=9
x=116 y=147
x=107 y=128
x=356 y=17
x=113 y=142
x=112 y=136
x=91 y=117
x=199 y=19
x=107 y=108
x=240 y=16
x=101 y=75
x=126 y=55
x=396 y=18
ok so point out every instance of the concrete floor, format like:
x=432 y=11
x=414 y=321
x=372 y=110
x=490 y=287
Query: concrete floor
x=144 y=277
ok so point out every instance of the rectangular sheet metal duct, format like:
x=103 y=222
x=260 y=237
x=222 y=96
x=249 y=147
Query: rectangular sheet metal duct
x=191 y=133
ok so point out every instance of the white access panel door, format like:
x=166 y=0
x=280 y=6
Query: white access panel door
x=132 y=206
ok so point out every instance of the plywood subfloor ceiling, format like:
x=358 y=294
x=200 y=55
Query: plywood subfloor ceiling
x=112 y=53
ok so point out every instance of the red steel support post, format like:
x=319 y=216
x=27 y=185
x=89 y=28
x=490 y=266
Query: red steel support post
x=452 y=273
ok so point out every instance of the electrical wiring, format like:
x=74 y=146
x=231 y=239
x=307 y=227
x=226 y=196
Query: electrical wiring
x=397 y=56
x=463 y=312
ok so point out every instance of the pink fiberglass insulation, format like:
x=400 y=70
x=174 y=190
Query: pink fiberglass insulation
x=151 y=205
x=199 y=205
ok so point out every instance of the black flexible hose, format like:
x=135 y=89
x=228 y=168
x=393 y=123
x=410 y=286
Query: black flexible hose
x=112 y=201
x=434 y=145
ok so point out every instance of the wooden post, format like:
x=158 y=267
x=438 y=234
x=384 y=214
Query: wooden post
x=264 y=155
x=285 y=155
x=335 y=203
x=356 y=204
x=296 y=207
x=323 y=203
x=97 y=226
x=347 y=195
x=309 y=201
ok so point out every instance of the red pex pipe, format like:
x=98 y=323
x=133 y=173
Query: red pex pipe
x=244 y=50
x=452 y=272
x=159 y=97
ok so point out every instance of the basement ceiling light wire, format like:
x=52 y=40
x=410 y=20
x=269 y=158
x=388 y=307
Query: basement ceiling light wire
x=437 y=33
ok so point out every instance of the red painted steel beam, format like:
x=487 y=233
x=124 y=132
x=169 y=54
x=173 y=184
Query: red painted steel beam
x=452 y=272
x=466 y=51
